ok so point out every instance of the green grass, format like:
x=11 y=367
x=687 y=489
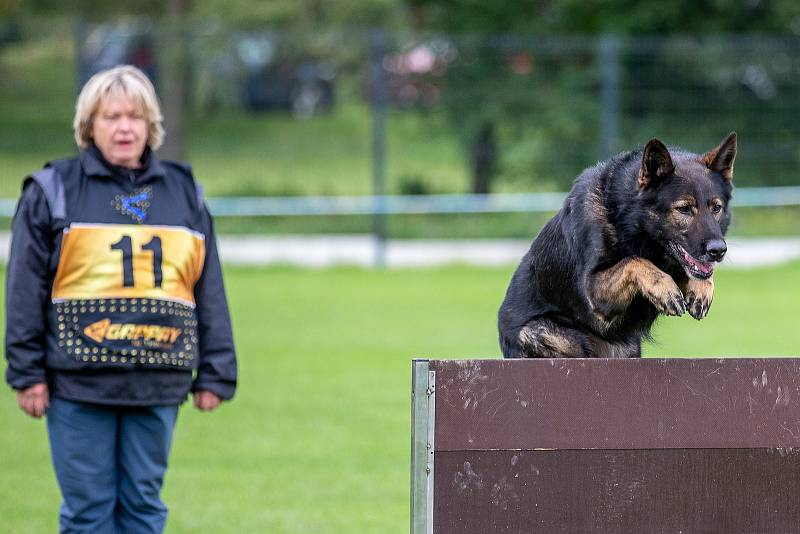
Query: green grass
x=273 y=154
x=318 y=437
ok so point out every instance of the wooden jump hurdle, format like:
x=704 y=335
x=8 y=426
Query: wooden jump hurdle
x=617 y=446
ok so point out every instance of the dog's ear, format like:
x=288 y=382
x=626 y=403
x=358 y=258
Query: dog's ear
x=656 y=164
x=720 y=159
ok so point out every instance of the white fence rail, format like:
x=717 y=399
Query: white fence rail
x=430 y=204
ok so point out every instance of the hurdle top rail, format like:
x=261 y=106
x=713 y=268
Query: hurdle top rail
x=597 y=445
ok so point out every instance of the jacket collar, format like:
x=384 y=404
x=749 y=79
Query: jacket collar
x=94 y=164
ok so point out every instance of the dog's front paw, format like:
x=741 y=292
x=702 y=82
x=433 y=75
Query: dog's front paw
x=662 y=291
x=698 y=295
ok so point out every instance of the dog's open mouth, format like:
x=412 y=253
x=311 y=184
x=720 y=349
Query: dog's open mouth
x=691 y=265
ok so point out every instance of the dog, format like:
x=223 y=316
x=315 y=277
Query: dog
x=637 y=236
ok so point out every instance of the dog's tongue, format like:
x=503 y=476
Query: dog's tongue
x=705 y=269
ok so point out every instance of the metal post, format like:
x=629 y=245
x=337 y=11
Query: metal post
x=378 y=85
x=423 y=403
x=175 y=78
x=609 y=95
x=81 y=32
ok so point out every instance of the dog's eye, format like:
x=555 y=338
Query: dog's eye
x=716 y=208
x=685 y=209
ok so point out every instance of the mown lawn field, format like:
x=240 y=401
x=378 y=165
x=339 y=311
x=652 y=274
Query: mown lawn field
x=318 y=438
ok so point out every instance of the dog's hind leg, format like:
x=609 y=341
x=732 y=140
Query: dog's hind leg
x=544 y=338
x=622 y=349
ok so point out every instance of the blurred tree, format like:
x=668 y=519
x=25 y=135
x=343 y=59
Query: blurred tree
x=10 y=8
x=304 y=14
x=532 y=96
x=285 y=13
x=95 y=9
x=607 y=16
x=539 y=98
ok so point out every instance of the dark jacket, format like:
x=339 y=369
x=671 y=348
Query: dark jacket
x=121 y=301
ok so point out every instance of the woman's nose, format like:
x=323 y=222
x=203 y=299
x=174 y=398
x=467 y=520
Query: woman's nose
x=124 y=123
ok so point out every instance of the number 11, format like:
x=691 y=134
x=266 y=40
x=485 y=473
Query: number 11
x=125 y=245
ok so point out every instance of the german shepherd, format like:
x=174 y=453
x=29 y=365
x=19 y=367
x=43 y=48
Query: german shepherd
x=637 y=236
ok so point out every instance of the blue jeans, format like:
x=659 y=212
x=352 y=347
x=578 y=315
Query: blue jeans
x=110 y=463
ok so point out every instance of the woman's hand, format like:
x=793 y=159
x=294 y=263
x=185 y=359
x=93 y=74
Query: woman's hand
x=34 y=400
x=206 y=400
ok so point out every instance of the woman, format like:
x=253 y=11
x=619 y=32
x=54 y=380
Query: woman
x=115 y=308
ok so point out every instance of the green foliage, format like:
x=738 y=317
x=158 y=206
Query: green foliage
x=95 y=9
x=609 y=16
x=694 y=80
x=317 y=438
x=308 y=14
x=10 y=8
x=555 y=104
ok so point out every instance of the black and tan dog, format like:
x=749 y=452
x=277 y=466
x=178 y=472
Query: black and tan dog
x=637 y=236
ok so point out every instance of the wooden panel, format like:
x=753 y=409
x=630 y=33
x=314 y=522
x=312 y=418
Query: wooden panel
x=617 y=491
x=617 y=404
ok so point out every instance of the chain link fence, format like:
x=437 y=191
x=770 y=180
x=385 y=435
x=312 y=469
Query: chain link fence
x=271 y=113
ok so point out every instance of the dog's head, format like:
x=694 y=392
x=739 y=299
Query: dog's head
x=686 y=200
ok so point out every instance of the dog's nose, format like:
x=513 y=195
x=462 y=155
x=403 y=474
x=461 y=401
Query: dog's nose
x=716 y=249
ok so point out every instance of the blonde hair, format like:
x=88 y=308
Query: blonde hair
x=123 y=80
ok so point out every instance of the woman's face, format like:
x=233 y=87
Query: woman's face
x=119 y=130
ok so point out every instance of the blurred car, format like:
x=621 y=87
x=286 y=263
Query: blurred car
x=257 y=69
x=127 y=43
x=277 y=79
x=415 y=76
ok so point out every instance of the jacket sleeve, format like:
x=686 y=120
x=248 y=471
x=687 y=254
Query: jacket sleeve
x=217 y=368
x=27 y=289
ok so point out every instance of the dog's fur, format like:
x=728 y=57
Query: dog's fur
x=636 y=237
